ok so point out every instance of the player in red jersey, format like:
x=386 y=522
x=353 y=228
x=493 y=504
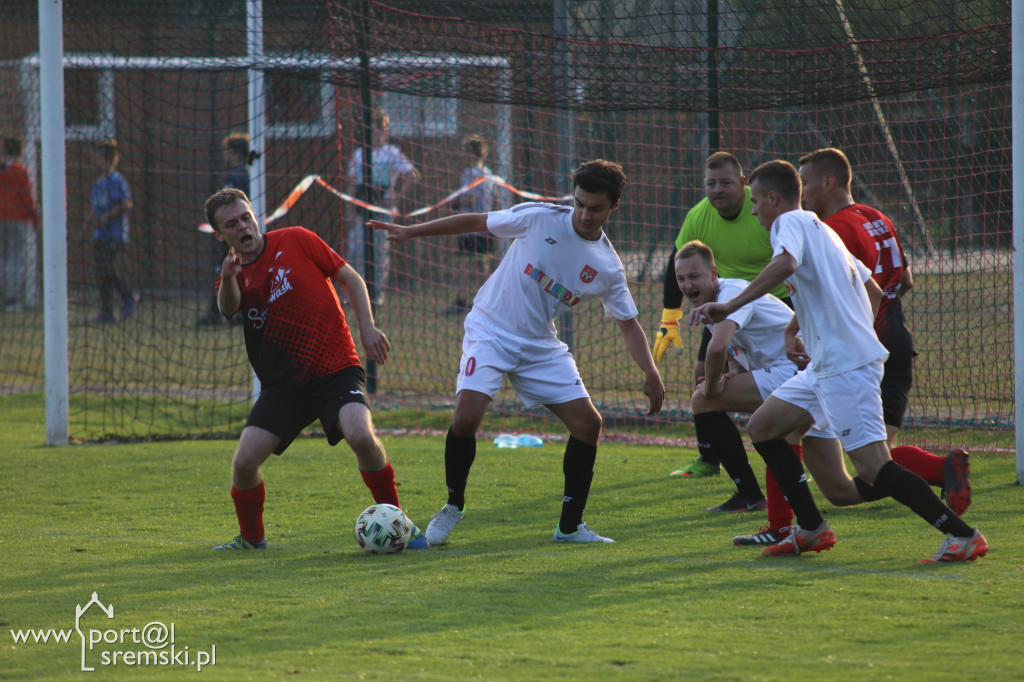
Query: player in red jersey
x=302 y=351
x=870 y=236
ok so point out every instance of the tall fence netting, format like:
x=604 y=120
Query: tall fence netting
x=915 y=92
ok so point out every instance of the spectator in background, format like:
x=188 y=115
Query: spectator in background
x=391 y=169
x=18 y=218
x=476 y=249
x=236 y=158
x=110 y=201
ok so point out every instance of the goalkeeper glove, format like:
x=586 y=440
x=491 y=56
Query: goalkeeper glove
x=668 y=333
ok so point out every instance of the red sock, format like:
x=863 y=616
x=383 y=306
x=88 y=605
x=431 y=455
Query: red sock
x=249 y=510
x=382 y=485
x=925 y=464
x=780 y=514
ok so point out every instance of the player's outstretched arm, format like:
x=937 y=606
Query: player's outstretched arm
x=374 y=341
x=461 y=223
x=636 y=343
x=775 y=273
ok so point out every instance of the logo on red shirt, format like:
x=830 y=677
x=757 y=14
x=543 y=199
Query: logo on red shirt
x=588 y=274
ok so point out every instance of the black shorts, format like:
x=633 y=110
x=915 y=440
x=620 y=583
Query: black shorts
x=286 y=413
x=896 y=381
x=476 y=244
x=705 y=339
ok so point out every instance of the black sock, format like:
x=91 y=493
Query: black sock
x=718 y=439
x=459 y=454
x=789 y=472
x=578 y=468
x=867 y=492
x=911 y=490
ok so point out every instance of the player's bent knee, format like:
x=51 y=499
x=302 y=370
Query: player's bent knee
x=363 y=442
x=246 y=463
x=464 y=428
x=588 y=429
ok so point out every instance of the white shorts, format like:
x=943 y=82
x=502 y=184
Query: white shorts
x=770 y=378
x=847 y=406
x=541 y=370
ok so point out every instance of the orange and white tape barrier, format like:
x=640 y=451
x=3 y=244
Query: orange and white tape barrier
x=308 y=181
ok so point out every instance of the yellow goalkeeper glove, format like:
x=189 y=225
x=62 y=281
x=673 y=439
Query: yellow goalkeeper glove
x=668 y=333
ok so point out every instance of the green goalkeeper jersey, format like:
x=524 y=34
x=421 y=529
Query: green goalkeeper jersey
x=742 y=247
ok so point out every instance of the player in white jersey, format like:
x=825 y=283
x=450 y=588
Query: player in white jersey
x=560 y=258
x=834 y=297
x=752 y=336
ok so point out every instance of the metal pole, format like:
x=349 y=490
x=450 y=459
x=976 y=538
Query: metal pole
x=1017 y=102
x=55 y=262
x=256 y=114
x=563 y=132
x=366 y=141
x=713 y=125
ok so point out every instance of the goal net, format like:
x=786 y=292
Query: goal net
x=916 y=94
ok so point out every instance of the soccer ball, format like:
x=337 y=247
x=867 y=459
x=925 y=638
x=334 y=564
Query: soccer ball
x=383 y=529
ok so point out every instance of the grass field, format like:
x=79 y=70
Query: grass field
x=673 y=599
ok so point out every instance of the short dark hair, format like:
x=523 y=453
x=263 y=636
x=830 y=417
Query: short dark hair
x=13 y=145
x=830 y=161
x=696 y=248
x=237 y=144
x=722 y=159
x=476 y=146
x=600 y=176
x=110 y=151
x=777 y=176
x=220 y=199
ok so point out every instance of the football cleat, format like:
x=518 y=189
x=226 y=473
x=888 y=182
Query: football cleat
x=698 y=468
x=764 y=536
x=956 y=483
x=740 y=503
x=960 y=549
x=418 y=540
x=583 y=533
x=238 y=542
x=441 y=526
x=801 y=541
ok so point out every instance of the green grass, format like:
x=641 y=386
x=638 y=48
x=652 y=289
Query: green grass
x=671 y=600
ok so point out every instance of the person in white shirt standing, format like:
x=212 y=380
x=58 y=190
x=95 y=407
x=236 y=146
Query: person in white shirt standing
x=560 y=258
x=391 y=172
x=834 y=298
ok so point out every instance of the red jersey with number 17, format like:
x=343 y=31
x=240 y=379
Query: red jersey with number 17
x=870 y=236
x=295 y=329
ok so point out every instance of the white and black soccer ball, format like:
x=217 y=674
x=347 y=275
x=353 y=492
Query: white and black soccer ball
x=383 y=529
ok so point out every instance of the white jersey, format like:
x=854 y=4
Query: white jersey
x=388 y=163
x=759 y=341
x=828 y=293
x=548 y=270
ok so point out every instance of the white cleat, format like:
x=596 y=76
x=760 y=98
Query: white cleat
x=441 y=526
x=583 y=534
